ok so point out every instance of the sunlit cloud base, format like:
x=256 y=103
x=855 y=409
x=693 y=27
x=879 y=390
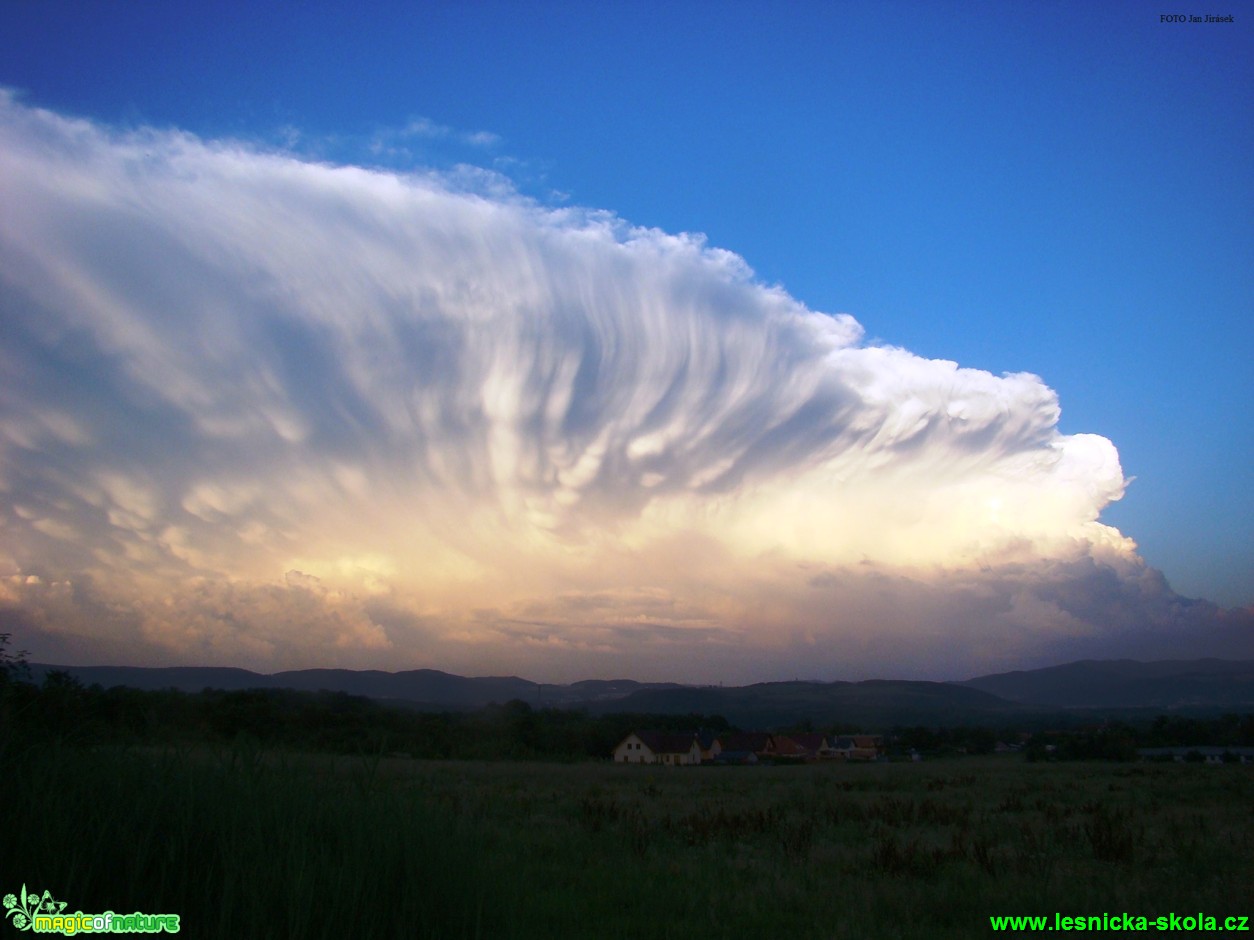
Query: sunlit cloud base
x=268 y=412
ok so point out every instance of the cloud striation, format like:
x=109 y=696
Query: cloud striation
x=265 y=411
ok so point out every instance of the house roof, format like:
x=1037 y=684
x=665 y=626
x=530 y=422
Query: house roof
x=706 y=739
x=756 y=741
x=667 y=742
x=812 y=742
x=789 y=746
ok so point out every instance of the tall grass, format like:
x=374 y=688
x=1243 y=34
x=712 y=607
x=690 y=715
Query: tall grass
x=244 y=843
x=877 y=851
x=238 y=843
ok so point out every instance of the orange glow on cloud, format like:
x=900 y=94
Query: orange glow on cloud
x=267 y=412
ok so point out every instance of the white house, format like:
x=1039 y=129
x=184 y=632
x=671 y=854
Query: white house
x=658 y=747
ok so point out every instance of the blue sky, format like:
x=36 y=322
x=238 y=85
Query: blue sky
x=1061 y=189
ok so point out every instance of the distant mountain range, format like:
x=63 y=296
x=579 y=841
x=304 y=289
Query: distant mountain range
x=424 y=688
x=1004 y=699
x=1125 y=683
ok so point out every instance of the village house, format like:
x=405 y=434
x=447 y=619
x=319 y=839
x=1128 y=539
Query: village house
x=736 y=757
x=711 y=745
x=758 y=743
x=811 y=746
x=786 y=747
x=858 y=747
x=748 y=747
x=1200 y=754
x=658 y=747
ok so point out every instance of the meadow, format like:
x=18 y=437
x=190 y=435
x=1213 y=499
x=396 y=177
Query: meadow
x=250 y=842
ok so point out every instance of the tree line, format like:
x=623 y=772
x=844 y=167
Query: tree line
x=62 y=709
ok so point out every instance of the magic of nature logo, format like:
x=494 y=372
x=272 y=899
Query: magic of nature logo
x=44 y=914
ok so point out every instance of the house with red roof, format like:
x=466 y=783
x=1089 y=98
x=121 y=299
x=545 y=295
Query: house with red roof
x=806 y=746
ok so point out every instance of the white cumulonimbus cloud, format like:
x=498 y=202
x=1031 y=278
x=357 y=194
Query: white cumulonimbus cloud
x=263 y=410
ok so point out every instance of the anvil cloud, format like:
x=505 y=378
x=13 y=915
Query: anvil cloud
x=264 y=411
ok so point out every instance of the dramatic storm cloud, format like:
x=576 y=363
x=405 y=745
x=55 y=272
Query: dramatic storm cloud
x=271 y=412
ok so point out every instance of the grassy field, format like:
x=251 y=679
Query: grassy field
x=246 y=844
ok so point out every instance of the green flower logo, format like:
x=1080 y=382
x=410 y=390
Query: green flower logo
x=24 y=909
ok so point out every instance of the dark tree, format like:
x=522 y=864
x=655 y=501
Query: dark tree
x=13 y=666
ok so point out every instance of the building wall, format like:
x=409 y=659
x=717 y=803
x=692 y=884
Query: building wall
x=634 y=751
